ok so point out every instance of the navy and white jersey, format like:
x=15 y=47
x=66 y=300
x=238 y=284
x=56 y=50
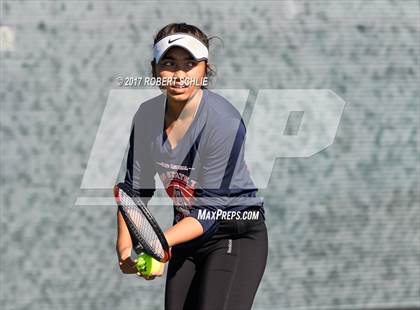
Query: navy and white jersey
x=205 y=171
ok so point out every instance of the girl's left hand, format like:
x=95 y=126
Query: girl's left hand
x=158 y=273
x=155 y=274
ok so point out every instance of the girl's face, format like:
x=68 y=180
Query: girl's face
x=178 y=64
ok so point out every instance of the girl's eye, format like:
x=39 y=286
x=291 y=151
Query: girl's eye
x=167 y=63
x=191 y=64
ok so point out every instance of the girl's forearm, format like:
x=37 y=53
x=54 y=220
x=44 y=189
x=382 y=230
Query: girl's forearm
x=185 y=230
x=123 y=253
x=124 y=243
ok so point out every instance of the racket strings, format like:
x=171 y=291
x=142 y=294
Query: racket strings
x=143 y=230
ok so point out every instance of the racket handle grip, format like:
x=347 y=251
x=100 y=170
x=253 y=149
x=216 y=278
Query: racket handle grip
x=146 y=264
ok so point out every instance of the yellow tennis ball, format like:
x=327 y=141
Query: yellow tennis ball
x=146 y=265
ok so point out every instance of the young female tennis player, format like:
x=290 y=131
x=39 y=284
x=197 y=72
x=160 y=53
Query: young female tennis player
x=194 y=139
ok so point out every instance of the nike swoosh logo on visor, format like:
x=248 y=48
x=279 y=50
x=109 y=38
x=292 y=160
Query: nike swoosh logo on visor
x=171 y=41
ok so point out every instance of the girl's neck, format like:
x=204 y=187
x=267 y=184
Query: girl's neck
x=183 y=109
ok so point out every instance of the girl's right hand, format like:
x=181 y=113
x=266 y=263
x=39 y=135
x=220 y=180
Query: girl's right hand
x=127 y=265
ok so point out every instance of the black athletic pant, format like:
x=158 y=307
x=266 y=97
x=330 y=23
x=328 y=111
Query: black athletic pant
x=223 y=273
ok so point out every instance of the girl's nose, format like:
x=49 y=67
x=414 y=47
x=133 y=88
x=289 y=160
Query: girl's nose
x=180 y=73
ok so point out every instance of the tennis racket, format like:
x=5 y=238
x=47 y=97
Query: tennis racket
x=147 y=238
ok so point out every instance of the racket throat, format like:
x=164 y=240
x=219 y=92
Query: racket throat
x=138 y=249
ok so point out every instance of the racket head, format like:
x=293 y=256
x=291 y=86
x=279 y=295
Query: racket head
x=145 y=232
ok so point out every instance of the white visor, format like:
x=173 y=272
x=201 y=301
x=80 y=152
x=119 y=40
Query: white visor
x=191 y=44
